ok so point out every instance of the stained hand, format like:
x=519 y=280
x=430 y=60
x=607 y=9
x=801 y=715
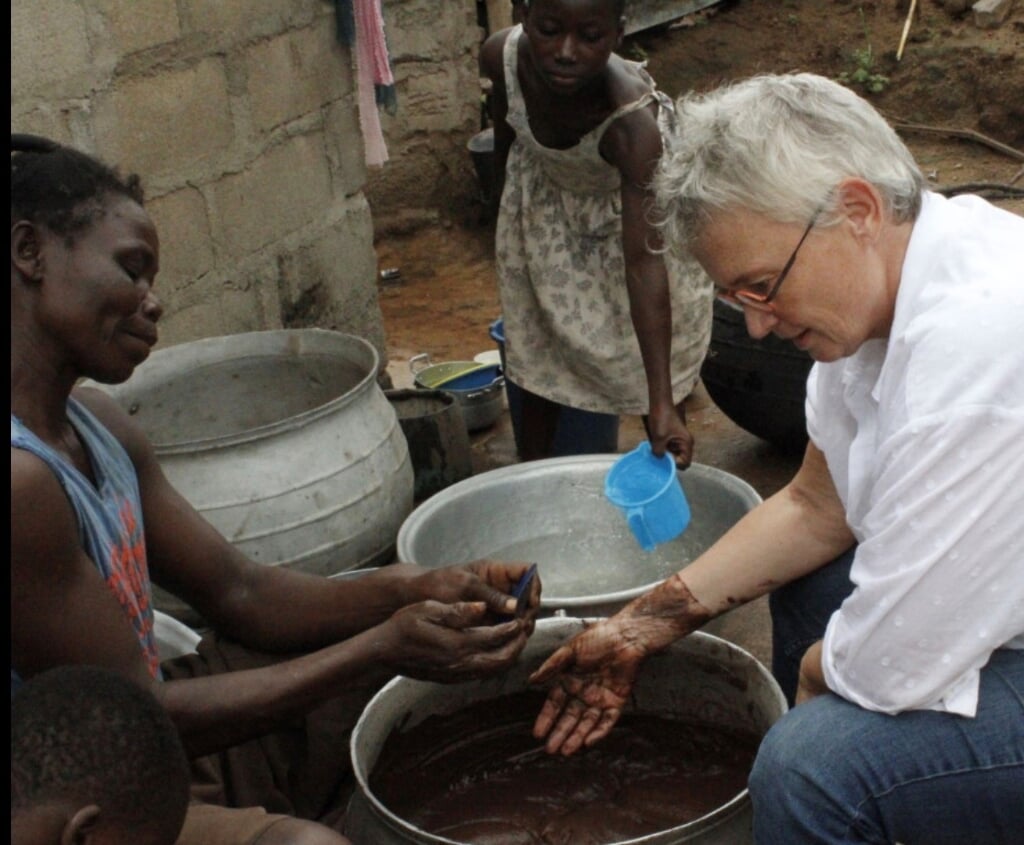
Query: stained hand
x=452 y=642
x=593 y=675
x=488 y=581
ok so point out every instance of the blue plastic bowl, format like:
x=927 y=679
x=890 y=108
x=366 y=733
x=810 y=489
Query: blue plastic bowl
x=474 y=380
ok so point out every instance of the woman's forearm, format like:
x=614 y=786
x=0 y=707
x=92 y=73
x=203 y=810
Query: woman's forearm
x=799 y=529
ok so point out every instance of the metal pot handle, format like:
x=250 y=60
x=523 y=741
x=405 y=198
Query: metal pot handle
x=498 y=382
x=424 y=358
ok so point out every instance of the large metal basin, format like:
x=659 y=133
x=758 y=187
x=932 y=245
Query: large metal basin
x=283 y=441
x=554 y=512
x=700 y=678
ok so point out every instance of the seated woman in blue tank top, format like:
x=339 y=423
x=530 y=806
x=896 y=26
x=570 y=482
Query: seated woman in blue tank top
x=93 y=520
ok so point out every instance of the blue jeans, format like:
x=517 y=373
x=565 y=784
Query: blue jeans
x=832 y=772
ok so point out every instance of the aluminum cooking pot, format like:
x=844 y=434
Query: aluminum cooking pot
x=478 y=387
x=699 y=678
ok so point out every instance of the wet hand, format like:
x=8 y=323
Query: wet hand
x=452 y=642
x=593 y=675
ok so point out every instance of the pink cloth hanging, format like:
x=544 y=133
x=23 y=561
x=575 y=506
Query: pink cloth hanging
x=372 y=69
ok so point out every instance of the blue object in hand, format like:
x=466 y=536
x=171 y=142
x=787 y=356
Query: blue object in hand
x=648 y=491
x=521 y=593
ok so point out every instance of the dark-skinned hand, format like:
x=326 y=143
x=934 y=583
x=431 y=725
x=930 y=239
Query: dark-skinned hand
x=668 y=432
x=435 y=641
x=487 y=581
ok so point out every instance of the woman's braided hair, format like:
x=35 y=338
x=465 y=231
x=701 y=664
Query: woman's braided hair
x=60 y=187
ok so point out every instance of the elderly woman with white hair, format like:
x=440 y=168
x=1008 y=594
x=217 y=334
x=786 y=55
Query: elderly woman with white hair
x=809 y=213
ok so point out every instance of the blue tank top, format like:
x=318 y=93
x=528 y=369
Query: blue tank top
x=109 y=517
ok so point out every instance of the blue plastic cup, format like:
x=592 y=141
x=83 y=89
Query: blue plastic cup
x=647 y=490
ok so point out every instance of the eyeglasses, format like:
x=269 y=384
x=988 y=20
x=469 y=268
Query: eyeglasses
x=762 y=301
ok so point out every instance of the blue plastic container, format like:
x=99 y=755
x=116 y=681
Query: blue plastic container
x=647 y=490
x=577 y=432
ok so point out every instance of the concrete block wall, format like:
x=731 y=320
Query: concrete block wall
x=241 y=117
x=433 y=46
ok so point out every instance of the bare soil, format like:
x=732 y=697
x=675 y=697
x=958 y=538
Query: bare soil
x=952 y=73
x=953 y=76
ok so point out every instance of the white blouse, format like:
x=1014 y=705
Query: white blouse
x=924 y=438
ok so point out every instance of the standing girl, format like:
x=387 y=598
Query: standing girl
x=589 y=301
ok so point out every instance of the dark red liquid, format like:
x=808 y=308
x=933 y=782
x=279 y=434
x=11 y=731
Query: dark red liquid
x=479 y=776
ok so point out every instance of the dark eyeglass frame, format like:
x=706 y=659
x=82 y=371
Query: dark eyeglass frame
x=762 y=301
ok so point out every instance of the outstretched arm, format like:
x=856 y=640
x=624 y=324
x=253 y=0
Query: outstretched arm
x=191 y=559
x=800 y=528
x=63 y=611
x=634 y=145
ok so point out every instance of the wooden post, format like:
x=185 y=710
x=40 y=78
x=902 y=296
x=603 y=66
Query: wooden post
x=906 y=30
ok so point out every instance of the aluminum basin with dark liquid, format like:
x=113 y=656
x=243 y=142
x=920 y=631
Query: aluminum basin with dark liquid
x=697 y=679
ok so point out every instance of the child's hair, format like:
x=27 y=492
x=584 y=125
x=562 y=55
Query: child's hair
x=60 y=187
x=89 y=735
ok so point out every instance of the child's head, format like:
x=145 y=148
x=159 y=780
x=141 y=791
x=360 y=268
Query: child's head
x=62 y=188
x=94 y=758
x=571 y=41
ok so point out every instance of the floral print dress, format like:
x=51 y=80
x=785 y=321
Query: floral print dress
x=561 y=270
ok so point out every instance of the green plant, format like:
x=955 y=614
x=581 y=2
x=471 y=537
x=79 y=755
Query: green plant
x=864 y=73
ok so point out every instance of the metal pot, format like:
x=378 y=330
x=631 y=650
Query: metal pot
x=479 y=388
x=436 y=433
x=698 y=678
x=481 y=149
x=283 y=441
x=554 y=512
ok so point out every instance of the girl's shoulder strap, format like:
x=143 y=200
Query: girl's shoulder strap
x=510 y=56
x=640 y=103
x=652 y=94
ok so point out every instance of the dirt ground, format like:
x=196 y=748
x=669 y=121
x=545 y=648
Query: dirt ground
x=952 y=76
x=952 y=73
